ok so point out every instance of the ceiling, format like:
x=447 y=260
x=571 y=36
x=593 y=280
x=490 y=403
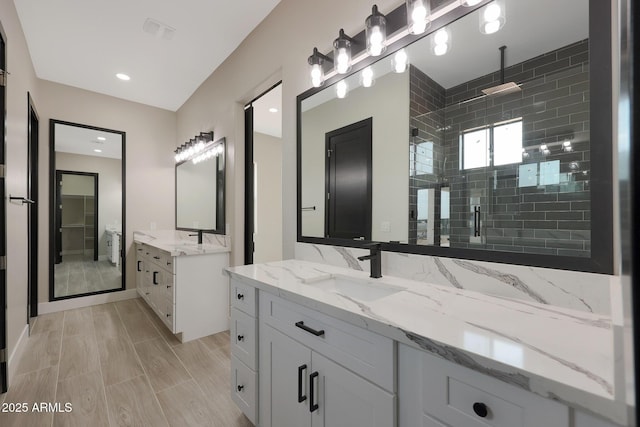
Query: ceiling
x=78 y=140
x=85 y=43
x=264 y=120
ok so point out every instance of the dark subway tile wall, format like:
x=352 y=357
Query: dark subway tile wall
x=554 y=106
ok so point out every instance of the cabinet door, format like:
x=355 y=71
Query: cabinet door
x=285 y=366
x=346 y=399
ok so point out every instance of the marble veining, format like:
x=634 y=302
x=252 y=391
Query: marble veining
x=559 y=353
x=179 y=243
x=587 y=292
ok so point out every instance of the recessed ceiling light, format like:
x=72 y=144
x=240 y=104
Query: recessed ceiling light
x=123 y=76
x=102 y=138
x=97 y=150
x=273 y=110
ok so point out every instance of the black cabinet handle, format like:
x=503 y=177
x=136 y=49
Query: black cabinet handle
x=240 y=337
x=301 y=397
x=155 y=278
x=480 y=409
x=313 y=405
x=240 y=387
x=240 y=296
x=139 y=265
x=304 y=327
x=476 y=221
x=156 y=257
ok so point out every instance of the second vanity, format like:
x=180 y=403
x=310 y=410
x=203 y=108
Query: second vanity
x=315 y=345
x=182 y=282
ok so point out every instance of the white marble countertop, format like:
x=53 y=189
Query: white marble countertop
x=562 y=354
x=177 y=245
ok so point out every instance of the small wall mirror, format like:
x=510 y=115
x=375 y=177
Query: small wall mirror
x=87 y=194
x=200 y=191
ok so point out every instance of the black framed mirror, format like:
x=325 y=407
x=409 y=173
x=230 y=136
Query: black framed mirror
x=87 y=210
x=470 y=159
x=200 y=190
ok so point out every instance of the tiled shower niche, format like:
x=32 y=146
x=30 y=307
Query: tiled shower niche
x=509 y=171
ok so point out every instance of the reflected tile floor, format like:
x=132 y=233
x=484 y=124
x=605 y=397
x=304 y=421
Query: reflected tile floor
x=116 y=364
x=78 y=274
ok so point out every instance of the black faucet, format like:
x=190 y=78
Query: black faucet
x=375 y=259
x=199 y=236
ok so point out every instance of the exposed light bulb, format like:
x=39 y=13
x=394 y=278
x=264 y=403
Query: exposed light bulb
x=376 y=42
x=341 y=89
x=177 y=157
x=367 y=77
x=441 y=36
x=543 y=147
x=317 y=75
x=219 y=149
x=418 y=16
x=440 y=49
x=492 y=12
x=566 y=143
x=491 y=27
x=342 y=61
x=470 y=3
x=400 y=61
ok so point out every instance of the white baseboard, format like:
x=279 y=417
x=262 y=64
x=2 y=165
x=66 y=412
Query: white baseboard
x=71 y=303
x=16 y=354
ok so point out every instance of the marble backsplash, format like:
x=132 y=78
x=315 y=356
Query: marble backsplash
x=570 y=289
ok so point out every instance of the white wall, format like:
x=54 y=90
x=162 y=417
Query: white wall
x=277 y=49
x=109 y=188
x=150 y=141
x=267 y=155
x=21 y=80
x=390 y=158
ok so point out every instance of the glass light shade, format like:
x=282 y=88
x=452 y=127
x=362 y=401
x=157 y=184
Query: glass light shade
x=366 y=77
x=469 y=3
x=418 y=16
x=342 y=54
x=341 y=89
x=440 y=49
x=376 y=32
x=400 y=61
x=441 y=41
x=492 y=17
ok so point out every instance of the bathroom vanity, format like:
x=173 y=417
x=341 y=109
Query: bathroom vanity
x=182 y=282
x=313 y=344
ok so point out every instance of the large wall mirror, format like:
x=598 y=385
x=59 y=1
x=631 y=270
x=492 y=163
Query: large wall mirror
x=200 y=198
x=460 y=156
x=87 y=210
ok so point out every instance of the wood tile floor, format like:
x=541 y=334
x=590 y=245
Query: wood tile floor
x=118 y=365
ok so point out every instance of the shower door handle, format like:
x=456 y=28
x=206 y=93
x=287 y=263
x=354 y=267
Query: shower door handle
x=476 y=221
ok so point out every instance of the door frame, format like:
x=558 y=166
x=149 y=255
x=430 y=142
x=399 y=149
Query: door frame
x=32 y=214
x=249 y=170
x=366 y=124
x=3 y=216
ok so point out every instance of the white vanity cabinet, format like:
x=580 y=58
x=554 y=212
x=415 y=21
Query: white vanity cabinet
x=189 y=293
x=433 y=392
x=316 y=370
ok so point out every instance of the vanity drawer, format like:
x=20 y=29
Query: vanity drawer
x=244 y=391
x=165 y=260
x=459 y=396
x=370 y=355
x=243 y=297
x=243 y=337
x=166 y=310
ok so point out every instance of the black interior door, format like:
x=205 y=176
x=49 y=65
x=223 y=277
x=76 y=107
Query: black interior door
x=32 y=213
x=3 y=219
x=248 y=185
x=348 y=181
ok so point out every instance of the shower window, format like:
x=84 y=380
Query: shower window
x=506 y=139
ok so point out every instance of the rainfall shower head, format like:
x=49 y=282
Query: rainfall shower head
x=503 y=88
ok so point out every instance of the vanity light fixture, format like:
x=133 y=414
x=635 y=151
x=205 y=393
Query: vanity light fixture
x=400 y=61
x=366 y=77
x=316 y=61
x=195 y=147
x=566 y=146
x=544 y=149
x=492 y=17
x=376 y=32
x=341 y=89
x=441 y=41
x=342 y=52
x=418 y=16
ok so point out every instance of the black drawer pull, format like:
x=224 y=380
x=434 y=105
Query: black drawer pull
x=301 y=397
x=240 y=337
x=168 y=314
x=155 y=278
x=168 y=286
x=156 y=257
x=312 y=404
x=240 y=296
x=304 y=327
x=240 y=387
x=480 y=409
x=139 y=265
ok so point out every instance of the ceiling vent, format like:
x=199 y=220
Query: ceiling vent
x=158 y=29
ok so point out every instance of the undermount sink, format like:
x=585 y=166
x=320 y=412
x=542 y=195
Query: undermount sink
x=363 y=290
